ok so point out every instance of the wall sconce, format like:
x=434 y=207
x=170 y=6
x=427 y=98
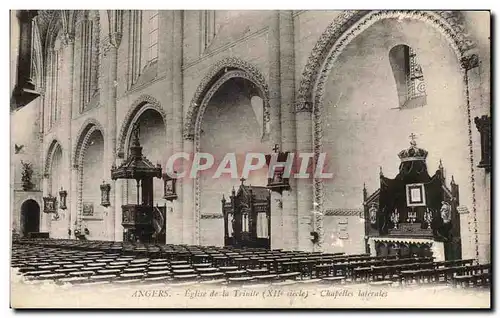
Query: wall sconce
x=105 y=188
x=314 y=237
x=277 y=182
x=169 y=187
x=62 y=198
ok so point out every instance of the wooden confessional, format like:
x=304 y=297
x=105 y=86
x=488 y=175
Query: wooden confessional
x=413 y=214
x=247 y=217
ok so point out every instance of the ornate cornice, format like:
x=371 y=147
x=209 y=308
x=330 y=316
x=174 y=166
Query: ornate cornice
x=212 y=216
x=344 y=212
x=138 y=106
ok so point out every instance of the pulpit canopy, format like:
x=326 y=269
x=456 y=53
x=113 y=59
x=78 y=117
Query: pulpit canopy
x=136 y=166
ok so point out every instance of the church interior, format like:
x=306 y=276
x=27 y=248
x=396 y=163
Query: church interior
x=399 y=101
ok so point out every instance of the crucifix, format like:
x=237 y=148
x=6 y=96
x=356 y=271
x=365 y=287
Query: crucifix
x=276 y=148
x=136 y=130
x=242 y=180
x=413 y=137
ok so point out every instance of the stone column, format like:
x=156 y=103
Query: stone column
x=305 y=195
x=44 y=217
x=73 y=202
x=277 y=239
x=67 y=109
x=188 y=211
x=288 y=138
x=175 y=218
x=118 y=229
x=115 y=36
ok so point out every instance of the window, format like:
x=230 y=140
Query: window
x=89 y=64
x=54 y=73
x=153 y=35
x=207 y=28
x=409 y=77
x=135 y=45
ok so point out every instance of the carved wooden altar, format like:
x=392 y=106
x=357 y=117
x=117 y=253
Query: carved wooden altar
x=137 y=219
x=413 y=214
x=247 y=217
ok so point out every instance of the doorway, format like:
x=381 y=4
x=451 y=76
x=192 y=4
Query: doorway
x=30 y=217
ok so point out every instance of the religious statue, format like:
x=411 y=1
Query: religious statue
x=373 y=214
x=446 y=212
x=26 y=177
x=136 y=131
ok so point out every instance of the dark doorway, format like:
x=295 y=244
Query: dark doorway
x=30 y=217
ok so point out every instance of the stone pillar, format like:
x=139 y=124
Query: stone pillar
x=288 y=138
x=67 y=115
x=175 y=217
x=73 y=202
x=277 y=239
x=305 y=195
x=44 y=217
x=115 y=36
x=188 y=208
x=117 y=219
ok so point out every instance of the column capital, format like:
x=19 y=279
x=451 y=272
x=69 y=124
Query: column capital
x=115 y=27
x=303 y=106
x=469 y=62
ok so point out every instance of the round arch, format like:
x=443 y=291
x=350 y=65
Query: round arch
x=53 y=146
x=82 y=139
x=88 y=129
x=223 y=71
x=140 y=105
x=345 y=28
x=220 y=73
x=350 y=24
x=30 y=216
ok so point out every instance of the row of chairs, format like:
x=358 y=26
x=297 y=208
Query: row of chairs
x=60 y=260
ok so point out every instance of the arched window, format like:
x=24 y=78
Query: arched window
x=143 y=45
x=153 y=36
x=409 y=77
x=135 y=45
x=88 y=33
x=207 y=28
x=53 y=83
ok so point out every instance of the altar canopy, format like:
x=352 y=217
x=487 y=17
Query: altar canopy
x=413 y=213
x=247 y=217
